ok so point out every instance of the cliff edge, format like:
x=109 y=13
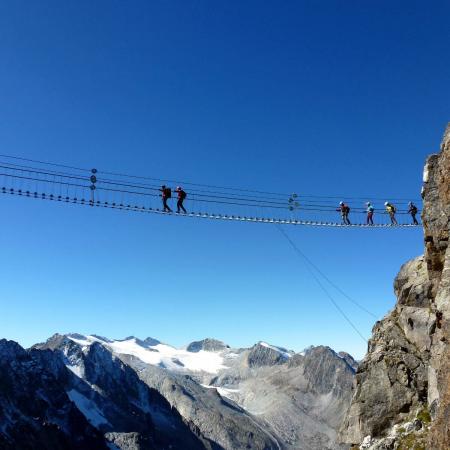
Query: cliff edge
x=401 y=395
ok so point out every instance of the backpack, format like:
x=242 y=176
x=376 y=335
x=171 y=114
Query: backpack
x=183 y=195
x=347 y=209
x=167 y=193
x=393 y=208
x=414 y=209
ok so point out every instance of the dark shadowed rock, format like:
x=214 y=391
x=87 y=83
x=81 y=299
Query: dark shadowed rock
x=35 y=411
x=151 y=341
x=349 y=360
x=209 y=345
x=328 y=372
x=262 y=355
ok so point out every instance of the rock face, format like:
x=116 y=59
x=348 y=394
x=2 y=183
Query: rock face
x=436 y=220
x=301 y=399
x=72 y=399
x=35 y=410
x=406 y=370
x=209 y=345
x=262 y=354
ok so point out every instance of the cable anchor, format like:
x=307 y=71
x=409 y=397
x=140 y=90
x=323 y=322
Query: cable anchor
x=93 y=180
x=293 y=204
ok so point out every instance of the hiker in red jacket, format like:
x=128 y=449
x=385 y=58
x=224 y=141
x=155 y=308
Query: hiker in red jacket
x=166 y=193
x=345 y=210
x=181 y=196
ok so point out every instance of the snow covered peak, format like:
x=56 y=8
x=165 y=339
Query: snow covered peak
x=155 y=353
x=151 y=341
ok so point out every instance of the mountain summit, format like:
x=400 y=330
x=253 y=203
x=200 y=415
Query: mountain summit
x=208 y=344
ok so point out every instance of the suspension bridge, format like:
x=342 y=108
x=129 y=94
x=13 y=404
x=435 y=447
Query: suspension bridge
x=62 y=183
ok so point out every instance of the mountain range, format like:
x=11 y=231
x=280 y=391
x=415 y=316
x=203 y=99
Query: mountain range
x=90 y=392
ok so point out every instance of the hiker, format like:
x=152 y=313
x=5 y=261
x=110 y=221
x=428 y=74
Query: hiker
x=370 y=210
x=344 y=209
x=413 y=211
x=181 y=196
x=166 y=194
x=391 y=210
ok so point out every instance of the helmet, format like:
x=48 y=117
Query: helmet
x=341 y=203
x=163 y=186
x=178 y=188
x=410 y=203
x=386 y=203
x=368 y=203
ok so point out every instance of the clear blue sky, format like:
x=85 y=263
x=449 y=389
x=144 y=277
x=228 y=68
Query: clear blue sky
x=327 y=98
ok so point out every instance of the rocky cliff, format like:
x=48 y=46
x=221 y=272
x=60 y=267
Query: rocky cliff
x=402 y=387
x=35 y=410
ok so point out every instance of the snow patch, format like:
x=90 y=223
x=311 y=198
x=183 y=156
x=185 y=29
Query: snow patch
x=223 y=392
x=84 y=342
x=426 y=174
x=87 y=408
x=77 y=370
x=226 y=392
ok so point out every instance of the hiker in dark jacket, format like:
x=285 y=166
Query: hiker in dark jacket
x=345 y=210
x=181 y=196
x=413 y=211
x=166 y=193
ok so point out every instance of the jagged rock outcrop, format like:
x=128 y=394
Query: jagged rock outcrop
x=264 y=355
x=326 y=374
x=35 y=410
x=349 y=360
x=208 y=344
x=436 y=220
x=406 y=370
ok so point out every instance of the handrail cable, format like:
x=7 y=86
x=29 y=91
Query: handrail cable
x=238 y=202
x=197 y=184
